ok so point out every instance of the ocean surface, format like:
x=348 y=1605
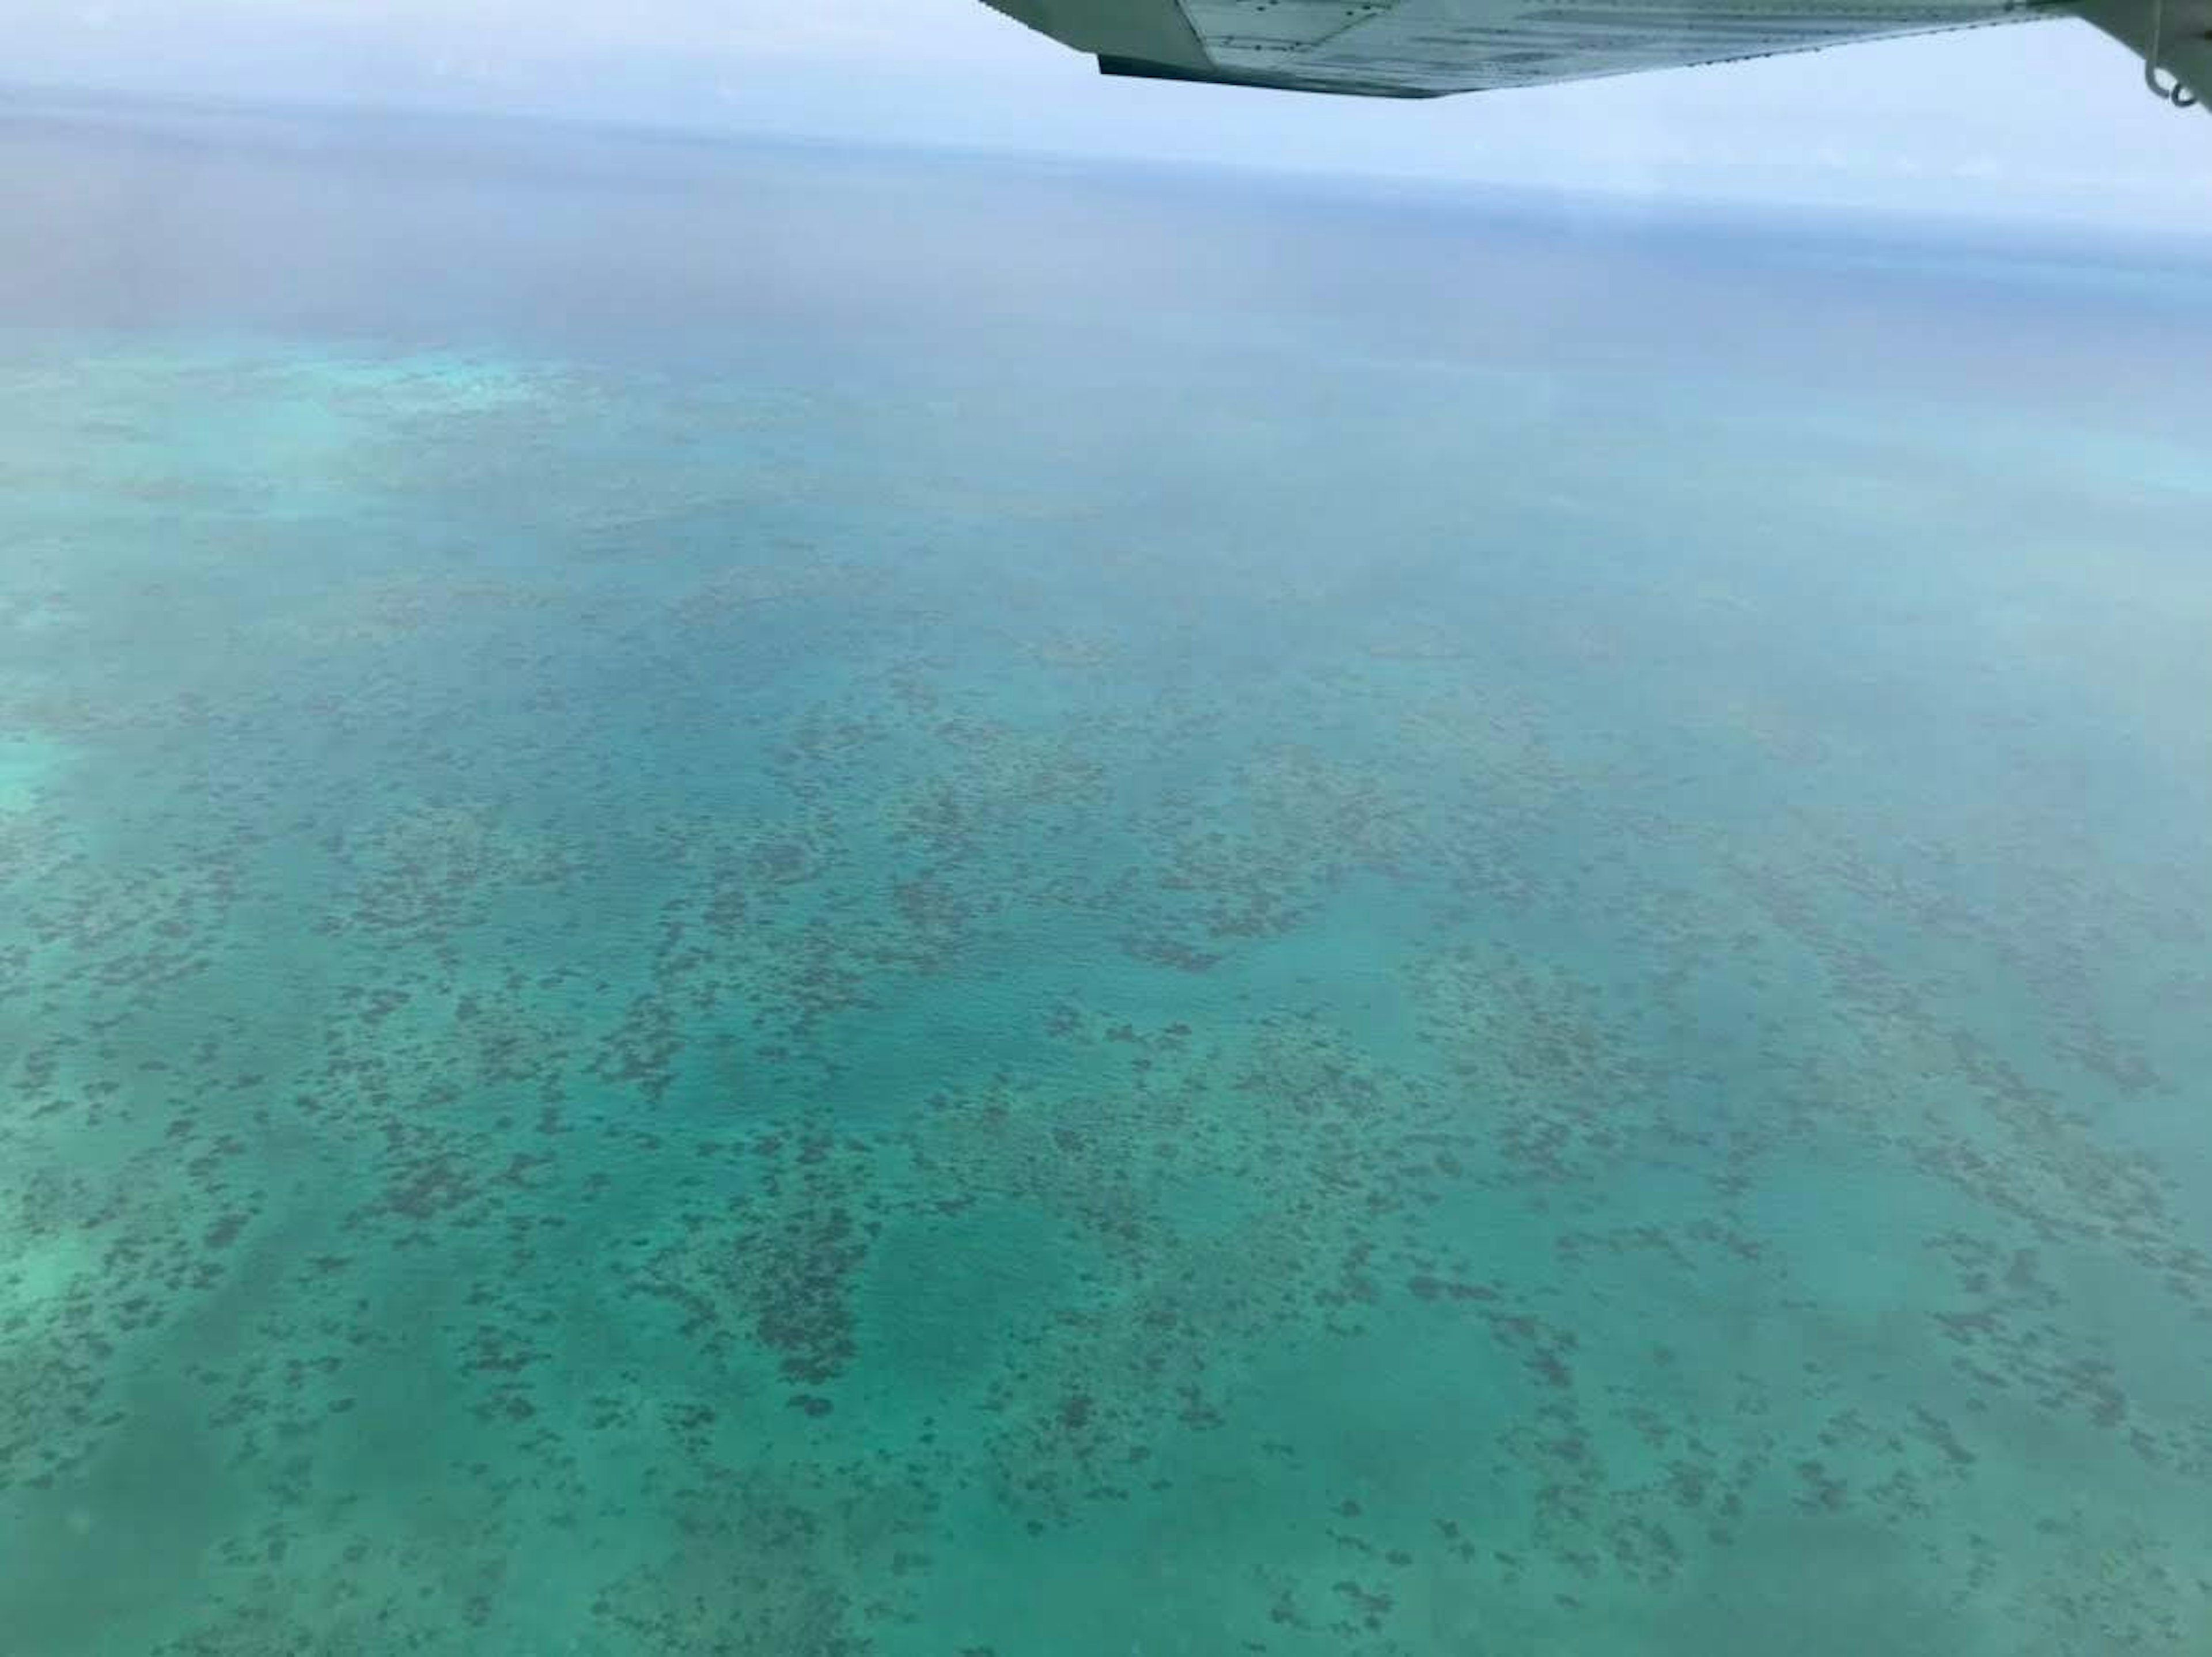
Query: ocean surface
x=766 y=901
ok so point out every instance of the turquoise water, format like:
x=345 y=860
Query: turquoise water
x=767 y=902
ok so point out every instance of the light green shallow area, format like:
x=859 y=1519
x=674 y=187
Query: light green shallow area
x=765 y=1013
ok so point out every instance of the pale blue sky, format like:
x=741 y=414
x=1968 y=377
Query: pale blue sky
x=2047 y=121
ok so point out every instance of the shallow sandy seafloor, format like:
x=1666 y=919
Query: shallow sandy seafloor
x=645 y=1016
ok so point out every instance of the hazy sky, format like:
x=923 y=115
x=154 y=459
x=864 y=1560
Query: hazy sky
x=2046 y=120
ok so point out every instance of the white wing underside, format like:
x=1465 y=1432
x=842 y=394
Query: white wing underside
x=1426 y=48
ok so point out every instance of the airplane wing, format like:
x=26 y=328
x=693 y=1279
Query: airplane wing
x=1426 y=48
